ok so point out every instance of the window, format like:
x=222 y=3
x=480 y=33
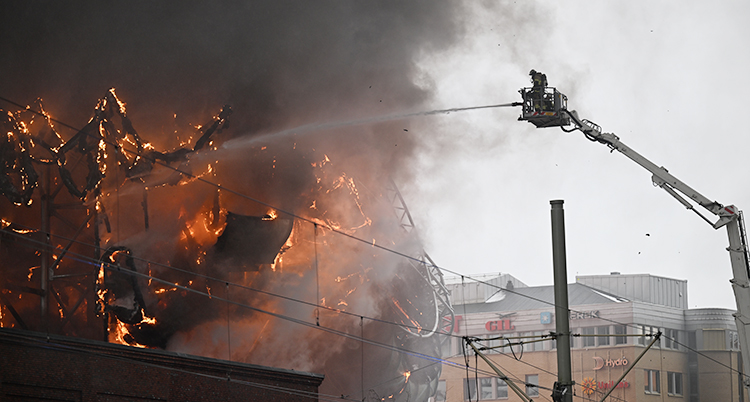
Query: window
x=485 y=388
x=639 y=331
x=470 y=389
x=526 y=337
x=621 y=330
x=648 y=330
x=532 y=385
x=671 y=338
x=440 y=393
x=539 y=344
x=652 y=383
x=490 y=388
x=518 y=347
x=501 y=389
x=504 y=342
x=654 y=331
x=602 y=340
x=668 y=338
x=734 y=340
x=674 y=383
x=533 y=341
x=588 y=340
x=492 y=344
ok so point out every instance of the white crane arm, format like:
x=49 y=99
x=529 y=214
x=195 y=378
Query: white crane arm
x=661 y=176
x=729 y=217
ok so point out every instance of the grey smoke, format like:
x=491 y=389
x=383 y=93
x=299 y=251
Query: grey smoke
x=280 y=64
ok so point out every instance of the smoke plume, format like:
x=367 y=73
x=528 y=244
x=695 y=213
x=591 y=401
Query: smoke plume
x=280 y=65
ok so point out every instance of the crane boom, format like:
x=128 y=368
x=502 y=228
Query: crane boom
x=728 y=216
x=661 y=176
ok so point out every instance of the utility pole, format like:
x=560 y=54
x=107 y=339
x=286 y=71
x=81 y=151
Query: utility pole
x=44 y=267
x=563 y=389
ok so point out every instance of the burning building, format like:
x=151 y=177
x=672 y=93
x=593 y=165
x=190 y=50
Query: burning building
x=261 y=233
x=160 y=250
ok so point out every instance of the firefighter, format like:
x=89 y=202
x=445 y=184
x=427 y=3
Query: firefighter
x=538 y=79
x=539 y=98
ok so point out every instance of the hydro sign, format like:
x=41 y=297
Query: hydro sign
x=601 y=362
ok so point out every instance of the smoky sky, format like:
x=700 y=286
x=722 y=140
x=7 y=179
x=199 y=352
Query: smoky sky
x=279 y=64
x=275 y=62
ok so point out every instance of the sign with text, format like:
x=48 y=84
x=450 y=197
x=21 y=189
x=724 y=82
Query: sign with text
x=499 y=325
x=600 y=362
x=581 y=315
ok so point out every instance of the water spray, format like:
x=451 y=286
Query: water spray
x=313 y=127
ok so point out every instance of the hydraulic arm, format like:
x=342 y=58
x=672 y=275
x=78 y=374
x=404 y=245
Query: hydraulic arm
x=728 y=215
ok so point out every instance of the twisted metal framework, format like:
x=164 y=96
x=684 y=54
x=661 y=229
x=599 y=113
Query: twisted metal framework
x=444 y=316
x=30 y=156
x=68 y=221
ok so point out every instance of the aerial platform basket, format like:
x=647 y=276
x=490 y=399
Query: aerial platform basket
x=544 y=107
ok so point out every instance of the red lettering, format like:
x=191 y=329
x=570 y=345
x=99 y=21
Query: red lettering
x=499 y=325
x=610 y=384
x=457 y=323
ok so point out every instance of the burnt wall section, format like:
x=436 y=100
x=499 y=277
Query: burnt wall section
x=54 y=368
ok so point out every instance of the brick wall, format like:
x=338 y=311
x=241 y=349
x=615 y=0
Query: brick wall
x=37 y=368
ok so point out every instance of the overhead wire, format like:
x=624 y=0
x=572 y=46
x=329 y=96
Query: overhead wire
x=218 y=186
x=241 y=286
x=294 y=215
x=92 y=261
x=308 y=220
x=635 y=326
x=344 y=233
x=219 y=280
x=89 y=260
x=447 y=363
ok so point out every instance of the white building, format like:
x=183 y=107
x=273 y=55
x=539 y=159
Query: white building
x=696 y=359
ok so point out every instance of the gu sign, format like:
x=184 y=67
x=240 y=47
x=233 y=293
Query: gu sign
x=499 y=325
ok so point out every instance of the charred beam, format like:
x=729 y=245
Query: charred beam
x=70 y=243
x=13 y=311
x=69 y=313
x=144 y=204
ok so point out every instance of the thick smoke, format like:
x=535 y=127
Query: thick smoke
x=280 y=65
x=277 y=63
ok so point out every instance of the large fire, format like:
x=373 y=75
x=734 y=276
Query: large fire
x=277 y=251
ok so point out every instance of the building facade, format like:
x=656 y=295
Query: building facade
x=40 y=367
x=612 y=319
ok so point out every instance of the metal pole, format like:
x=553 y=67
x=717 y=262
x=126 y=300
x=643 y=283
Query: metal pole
x=564 y=386
x=46 y=211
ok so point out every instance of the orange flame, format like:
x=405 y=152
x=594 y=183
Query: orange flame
x=270 y=215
